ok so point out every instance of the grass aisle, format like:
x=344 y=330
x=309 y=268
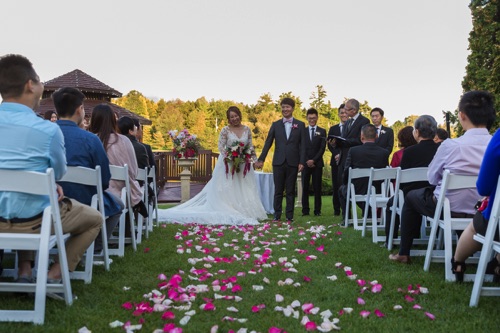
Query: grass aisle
x=233 y=269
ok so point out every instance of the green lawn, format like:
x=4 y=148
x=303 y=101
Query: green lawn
x=321 y=240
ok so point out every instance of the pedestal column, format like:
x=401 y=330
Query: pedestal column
x=185 y=175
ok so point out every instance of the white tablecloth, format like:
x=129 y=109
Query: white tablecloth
x=265 y=186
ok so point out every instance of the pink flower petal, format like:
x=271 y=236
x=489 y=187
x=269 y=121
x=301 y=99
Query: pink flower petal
x=127 y=306
x=364 y=313
x=376 y=288
x=417 y=307
x=320 y=248
x=168 y=315
x=361 y=283
x=379 y=313
x=307 y=279
x=311 y=326
x=361 y=301
x=409 y=298
x=275 y=330
x=430 y=315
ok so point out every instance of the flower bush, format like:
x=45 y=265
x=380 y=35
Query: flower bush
x=185 y=145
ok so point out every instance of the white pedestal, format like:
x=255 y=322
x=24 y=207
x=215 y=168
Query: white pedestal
x=185 y=175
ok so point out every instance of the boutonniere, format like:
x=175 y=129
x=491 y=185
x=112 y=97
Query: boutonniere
x=382 y=132
x=317 y=133
x=295 y=126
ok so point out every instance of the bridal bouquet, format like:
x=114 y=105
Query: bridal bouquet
x=236 y=154
x=185 y=145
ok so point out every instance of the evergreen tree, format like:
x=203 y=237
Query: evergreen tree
x=483 y=68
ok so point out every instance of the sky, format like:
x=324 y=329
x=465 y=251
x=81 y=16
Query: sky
x=407 y=57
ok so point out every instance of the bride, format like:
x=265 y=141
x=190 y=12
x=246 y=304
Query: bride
x=227 y=198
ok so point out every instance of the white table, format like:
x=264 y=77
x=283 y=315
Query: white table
x=265 y=187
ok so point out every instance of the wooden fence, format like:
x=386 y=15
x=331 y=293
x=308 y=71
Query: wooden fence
x=169 y=170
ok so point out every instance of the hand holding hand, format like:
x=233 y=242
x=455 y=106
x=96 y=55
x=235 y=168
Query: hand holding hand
x=310 y=163
x=258 y=165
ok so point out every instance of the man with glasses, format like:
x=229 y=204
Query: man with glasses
x=351 y=133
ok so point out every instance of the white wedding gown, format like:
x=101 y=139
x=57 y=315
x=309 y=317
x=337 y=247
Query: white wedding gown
x=226 y=199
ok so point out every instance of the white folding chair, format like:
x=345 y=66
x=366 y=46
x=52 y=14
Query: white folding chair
x=489 y=246
x=153 y=207
x=405 y=176
x=90 y=177
x=39 y=184
x=121 y=174
x=379 y=200
x=142 y=175
x=447 y=223
x=352 y=197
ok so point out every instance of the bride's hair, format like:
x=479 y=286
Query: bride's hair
x=235 y=110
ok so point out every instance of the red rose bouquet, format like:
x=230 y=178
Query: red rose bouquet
x=236 y=155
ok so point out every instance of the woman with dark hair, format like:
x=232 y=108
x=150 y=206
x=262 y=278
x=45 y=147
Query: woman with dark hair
x=51 y=115
x=119 y=150
x=405 y=139
x=231 y=196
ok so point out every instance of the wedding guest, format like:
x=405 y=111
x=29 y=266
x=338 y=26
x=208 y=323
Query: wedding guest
x=50 y=115
x=138 y=135
x=462 y=155
x=120 y=152
x=33 y=144
x=86 y=150
x=406 y=139
x=415 y=156
x=229 y=198
x=127 y=128
x=289 y=136
x=337 y=130
x=352 y=135
x=367 y=155
x=385 y=135
x=441 y=135
x=315 y=148
x=486 y=186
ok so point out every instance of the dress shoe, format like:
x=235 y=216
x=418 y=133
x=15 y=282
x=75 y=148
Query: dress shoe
x=336 y=213
x=399 y=258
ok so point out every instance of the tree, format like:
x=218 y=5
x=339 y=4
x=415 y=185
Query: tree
x=135 y=102
x=324 y=108
x=483 y=62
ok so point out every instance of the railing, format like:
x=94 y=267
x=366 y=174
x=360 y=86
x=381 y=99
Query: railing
x=169 y=170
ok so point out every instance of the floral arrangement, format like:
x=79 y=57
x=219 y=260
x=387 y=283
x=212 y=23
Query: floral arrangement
x=236 y=154
x=185 y=145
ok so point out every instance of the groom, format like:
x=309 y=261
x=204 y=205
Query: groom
x=289 y=135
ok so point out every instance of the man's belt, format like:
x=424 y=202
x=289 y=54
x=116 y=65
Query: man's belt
x=21 y=220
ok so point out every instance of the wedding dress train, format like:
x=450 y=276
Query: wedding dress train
x=226 y=199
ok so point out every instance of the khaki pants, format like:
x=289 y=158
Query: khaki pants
x=79 y=220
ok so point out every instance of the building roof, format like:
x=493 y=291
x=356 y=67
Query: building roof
x=84 y=82
x=94 y=90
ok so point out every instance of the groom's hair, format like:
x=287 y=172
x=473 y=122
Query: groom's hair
x=235 y=110
x=288 y=101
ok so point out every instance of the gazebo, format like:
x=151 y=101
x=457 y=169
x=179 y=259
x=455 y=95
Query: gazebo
x=95 y=92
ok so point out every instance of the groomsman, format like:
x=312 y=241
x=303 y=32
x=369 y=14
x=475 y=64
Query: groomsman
x=289 y=136
x=385 y=135
x=315 y=148
x=337 y=130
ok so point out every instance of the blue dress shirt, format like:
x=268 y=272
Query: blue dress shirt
x=28 y=143
x=85 y=149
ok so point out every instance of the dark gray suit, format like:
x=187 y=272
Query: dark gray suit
x=386 y=138
x=336 y=176
x=288 y=154
x=315 y=149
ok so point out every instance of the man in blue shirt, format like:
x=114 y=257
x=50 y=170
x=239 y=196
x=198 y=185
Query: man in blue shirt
x=84 y=149
x=30 y=143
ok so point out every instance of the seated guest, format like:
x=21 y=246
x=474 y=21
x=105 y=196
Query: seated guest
x=127 y=127
x=138 y=135
x=462 y=155
x=441 y=135
x=30 y=143
x=120 y=151
x=50 y=115
x=486 y=185
x=416 y=156
x=84 y=149
x=367 y=155
x=406 y=139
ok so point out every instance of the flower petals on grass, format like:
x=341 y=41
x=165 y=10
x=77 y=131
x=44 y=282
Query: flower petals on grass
x=430 y=316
